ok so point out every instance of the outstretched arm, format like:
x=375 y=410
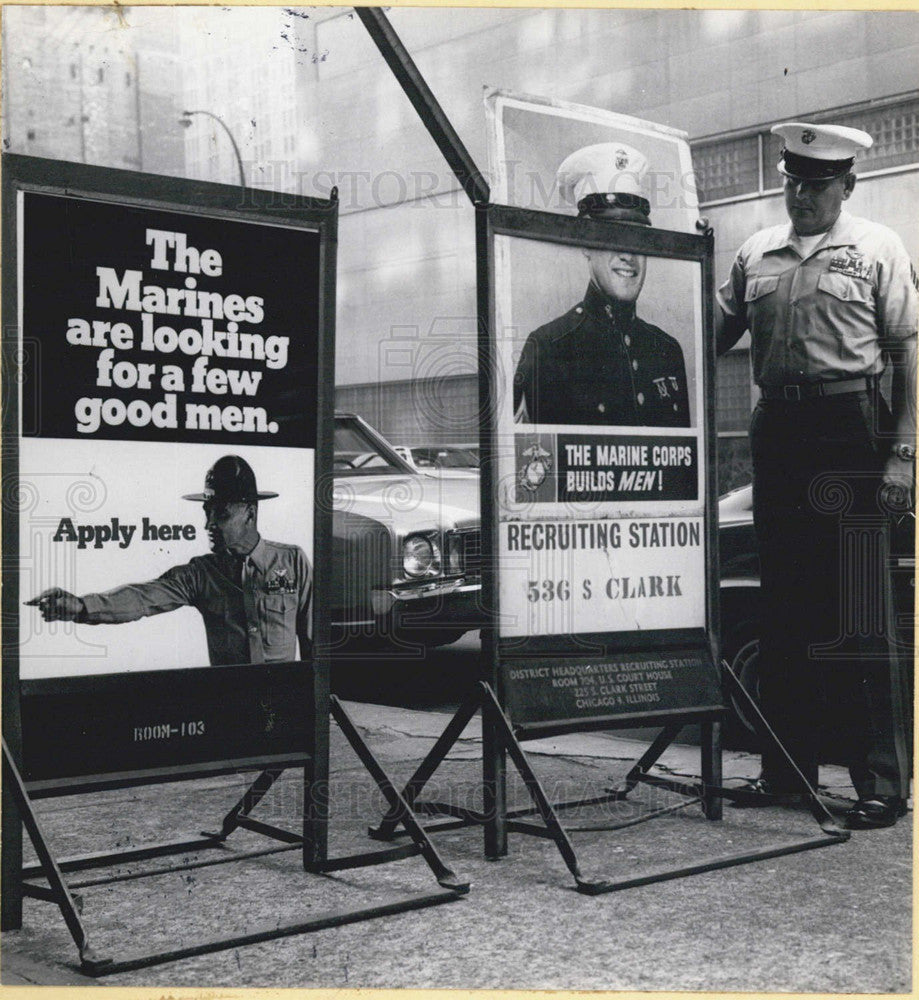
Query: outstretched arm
x=176 y=588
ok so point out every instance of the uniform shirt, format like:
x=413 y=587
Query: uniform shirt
x=257 y=621
x=601 y=364
x=825 y=316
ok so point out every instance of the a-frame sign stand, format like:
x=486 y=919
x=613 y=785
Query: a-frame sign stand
x=73 y=735
x=48 y=880
x=447 y=816
x=501 y=737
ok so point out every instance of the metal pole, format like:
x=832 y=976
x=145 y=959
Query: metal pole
x=226 y=128
x=425 y=103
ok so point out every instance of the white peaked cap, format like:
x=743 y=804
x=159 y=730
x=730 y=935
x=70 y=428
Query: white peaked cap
x=604 y=168
x=819 y=150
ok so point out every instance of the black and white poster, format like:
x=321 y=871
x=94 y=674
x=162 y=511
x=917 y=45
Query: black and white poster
x=156 y=343
x=601 y=523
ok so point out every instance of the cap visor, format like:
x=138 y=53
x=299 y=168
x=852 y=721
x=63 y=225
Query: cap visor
x=201 y=497
x=823 y=170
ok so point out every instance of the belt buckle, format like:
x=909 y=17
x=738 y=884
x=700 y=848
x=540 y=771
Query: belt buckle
x=791 y=392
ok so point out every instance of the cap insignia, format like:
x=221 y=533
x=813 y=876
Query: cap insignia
x=808 y=136
x=622 y=159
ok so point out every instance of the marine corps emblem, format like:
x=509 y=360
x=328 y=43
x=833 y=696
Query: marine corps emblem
x=662 y=389
x=622 y=159
x=532 y=474
x=808 y=136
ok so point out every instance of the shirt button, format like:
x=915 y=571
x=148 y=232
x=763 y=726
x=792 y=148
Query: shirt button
x=253 y=629
x=675 y=407
x=628 y=340
x=579 y=310
x=602 y=407
x=635 y=366
x=641 y=399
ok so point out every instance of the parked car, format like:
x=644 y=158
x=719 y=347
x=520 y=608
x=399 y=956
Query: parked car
x=455 y=460
x=740 y=593
x=406 y=546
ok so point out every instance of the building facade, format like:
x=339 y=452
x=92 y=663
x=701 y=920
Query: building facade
x=311 y=105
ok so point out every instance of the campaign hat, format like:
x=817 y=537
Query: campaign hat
x=819 y=152
x=604 y=176
x=230 y=480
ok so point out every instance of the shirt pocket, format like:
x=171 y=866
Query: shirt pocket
x=758 y=287
x=844 y=288
x=279 y=613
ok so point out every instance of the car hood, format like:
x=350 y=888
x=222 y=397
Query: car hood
x=410 y=503
x=732 y=518
x=736 y=507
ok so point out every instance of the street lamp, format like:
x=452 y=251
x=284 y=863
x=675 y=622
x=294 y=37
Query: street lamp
x=185 y=122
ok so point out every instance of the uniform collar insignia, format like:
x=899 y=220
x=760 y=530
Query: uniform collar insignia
x=600 y=307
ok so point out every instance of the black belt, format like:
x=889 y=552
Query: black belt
x=811 y=390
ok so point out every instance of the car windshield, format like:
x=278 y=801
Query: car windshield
x=456 y=458
x=358 y=454
x=446 y=458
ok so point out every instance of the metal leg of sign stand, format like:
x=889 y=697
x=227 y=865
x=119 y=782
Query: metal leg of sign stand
x=388 y=827
x=57 y=890
x=399 y=808
x=239 y=816
x=708 y=789
x=708 y=792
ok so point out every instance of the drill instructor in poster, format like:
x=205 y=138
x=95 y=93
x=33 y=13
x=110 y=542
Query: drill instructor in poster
x=600 y=364
x=255 y=596
x=829 y=301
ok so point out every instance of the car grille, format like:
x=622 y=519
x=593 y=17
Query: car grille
x=464 y=550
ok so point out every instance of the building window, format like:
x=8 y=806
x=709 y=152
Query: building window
x=30 y=135
x=733 y=392
x=127 y=79
x=727 y=169
x=100 y=75
x=744 y=165
x=73 y=71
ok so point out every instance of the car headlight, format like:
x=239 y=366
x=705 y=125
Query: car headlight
x=421 y=556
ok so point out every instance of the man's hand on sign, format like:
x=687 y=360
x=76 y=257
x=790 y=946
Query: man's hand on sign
x=58 y=605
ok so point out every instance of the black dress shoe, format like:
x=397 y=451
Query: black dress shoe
x=761 y=792
x=875 y=813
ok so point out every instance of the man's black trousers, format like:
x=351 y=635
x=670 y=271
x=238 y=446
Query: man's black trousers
x=830 y=673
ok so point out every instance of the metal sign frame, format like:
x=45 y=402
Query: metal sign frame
x=500 y=738
x=500 y=220
x=587 y=233
x=304 y=734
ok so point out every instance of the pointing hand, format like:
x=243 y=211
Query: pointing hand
x=58 y=605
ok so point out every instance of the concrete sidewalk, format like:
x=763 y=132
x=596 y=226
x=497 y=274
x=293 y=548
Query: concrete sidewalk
x=828 y=921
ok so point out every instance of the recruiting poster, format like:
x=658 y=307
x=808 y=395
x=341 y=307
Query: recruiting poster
x=154 y=344
x=530 y=137
x=601 y=494
x=600 y=403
